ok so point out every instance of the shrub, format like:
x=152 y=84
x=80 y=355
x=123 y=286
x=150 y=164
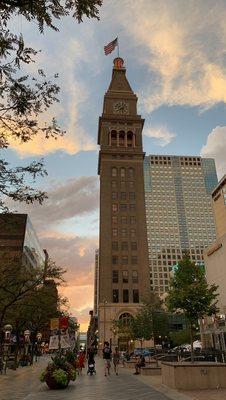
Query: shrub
x=61 y=377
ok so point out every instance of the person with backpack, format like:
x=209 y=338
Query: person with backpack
x=107 y=358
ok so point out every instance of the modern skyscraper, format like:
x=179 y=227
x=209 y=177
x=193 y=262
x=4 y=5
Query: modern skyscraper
x=123 y=254
x=179 y=212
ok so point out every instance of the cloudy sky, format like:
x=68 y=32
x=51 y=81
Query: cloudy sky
x=175 y=55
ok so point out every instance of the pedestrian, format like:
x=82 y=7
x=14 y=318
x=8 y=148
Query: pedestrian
x=107 y=358
x=139 y=365
x=81 y=361
x=116 y=360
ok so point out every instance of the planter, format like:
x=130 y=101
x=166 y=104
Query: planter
x=192 y=376
x=58 y=374
x=52 y=384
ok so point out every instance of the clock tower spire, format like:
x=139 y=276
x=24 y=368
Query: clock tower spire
x=123 y=253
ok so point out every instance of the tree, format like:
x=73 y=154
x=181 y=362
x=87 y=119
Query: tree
x=25 y=98
x=151 y=322
x=27 y=295
x=190 y=295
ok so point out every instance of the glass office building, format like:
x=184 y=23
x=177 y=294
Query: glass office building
x=179 y=212
x=18 y=238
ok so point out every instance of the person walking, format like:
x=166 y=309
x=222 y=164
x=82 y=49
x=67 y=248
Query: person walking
x=107 y=358
x=116 y=360
x=81 y=361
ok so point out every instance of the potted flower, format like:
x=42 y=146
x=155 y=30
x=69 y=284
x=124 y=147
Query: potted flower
x=58 y=373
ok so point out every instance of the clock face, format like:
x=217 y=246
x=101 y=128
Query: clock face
x=121 y=107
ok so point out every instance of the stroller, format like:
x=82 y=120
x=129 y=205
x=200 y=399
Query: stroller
x=91 y=367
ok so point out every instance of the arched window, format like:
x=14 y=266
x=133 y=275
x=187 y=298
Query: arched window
x=131 y=173
x=126 y=319
x=122 y=138
x=130 y=139
x=114 y=172
x=122 y=173
x=113 y=138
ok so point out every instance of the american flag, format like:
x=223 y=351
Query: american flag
x=110 y=47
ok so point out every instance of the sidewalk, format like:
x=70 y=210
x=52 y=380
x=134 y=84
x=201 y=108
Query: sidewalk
x=24 y=384
x=17 y=385
x=156 y=382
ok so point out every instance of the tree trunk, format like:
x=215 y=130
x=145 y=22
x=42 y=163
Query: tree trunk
x=192 y=348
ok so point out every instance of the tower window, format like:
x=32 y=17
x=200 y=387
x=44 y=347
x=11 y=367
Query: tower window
x=130 y=139
x=114 y=184
x=123 y=207
x=114 y=207
x=125 y=277
x=114 y=260
x=115 y=276
x=121 y=139
x=114 y=195
x=122 y=173
x=114 y=232
x=134 y=246
x=124 y=232
x=114 y=245
x=124 y=260
x=124 y=246
x=115 y=296
x=132 y=232
x=132 y=220
x=124 y=220
x=114 y=172
x=131 y=172
x=132 y=196
x=113 y=139
x=125 y=295
x=123 y=195
x=135 y=295
x=134 y=276
x=114 y=219
x=134 y=260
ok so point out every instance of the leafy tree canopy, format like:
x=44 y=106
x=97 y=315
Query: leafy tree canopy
x=25 y=97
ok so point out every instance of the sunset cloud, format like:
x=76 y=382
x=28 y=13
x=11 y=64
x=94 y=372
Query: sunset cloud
x=162 y=135
x=183 y=46
x=74 y=198
x=215 y=147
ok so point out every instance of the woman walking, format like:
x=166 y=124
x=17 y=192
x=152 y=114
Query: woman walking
x=116 y=360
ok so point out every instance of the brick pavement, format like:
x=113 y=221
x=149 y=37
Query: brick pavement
x=24 y=384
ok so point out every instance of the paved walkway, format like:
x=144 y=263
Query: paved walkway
x=24 y=385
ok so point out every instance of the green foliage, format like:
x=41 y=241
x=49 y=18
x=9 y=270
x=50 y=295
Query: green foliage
x=151 y=321
x=61 y=377
x=44 y=12
x=70 y=356
x=26 y=298
x=180 y=337
x=25 y=97
x=190 y=294
x=60 y=361
x=42 y=376
x=73 y=374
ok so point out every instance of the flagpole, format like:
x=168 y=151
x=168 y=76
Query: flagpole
x=118 y=46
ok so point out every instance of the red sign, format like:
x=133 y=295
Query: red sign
x=64 y=322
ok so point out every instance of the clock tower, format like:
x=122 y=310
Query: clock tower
x=123 y=253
